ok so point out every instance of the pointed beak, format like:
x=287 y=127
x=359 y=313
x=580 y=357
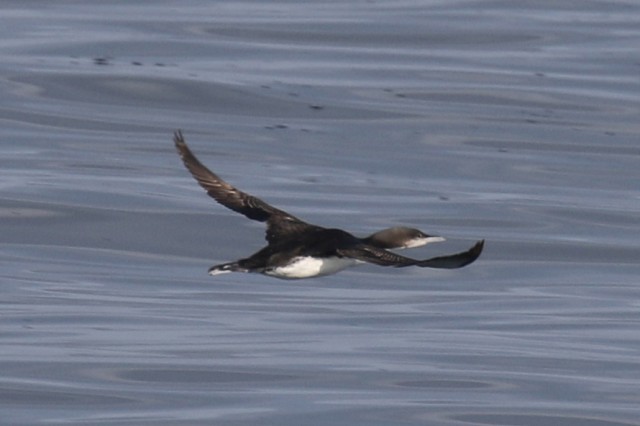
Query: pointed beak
x=419 y=242
x=434 y=239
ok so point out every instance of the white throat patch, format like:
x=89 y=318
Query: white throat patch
x=419 y=242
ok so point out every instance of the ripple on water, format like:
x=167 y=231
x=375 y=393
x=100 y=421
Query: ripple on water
x=537 y=420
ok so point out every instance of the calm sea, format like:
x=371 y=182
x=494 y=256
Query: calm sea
x=513 y=121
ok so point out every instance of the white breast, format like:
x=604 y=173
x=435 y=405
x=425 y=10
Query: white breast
x=307 y=267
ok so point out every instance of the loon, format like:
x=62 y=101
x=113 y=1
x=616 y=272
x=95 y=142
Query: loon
x=297 y=249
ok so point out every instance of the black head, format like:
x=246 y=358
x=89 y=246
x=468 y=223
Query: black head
x=400 y=237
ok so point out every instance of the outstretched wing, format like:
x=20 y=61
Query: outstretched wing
x=383 y=257
x=453 y=261
x=278 y=222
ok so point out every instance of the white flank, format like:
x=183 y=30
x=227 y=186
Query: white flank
x=306 y=267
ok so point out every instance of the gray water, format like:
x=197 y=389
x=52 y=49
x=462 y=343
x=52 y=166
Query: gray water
x=516 y=122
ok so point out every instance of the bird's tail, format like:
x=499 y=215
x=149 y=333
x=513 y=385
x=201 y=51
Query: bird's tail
x=226 y=268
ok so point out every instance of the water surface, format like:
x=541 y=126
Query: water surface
x=510 y=121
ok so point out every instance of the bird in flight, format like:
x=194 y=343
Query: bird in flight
x=297 y=249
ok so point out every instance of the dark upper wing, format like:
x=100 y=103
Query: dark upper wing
x=453 y=261
x=278 y=221
x=383 y=257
